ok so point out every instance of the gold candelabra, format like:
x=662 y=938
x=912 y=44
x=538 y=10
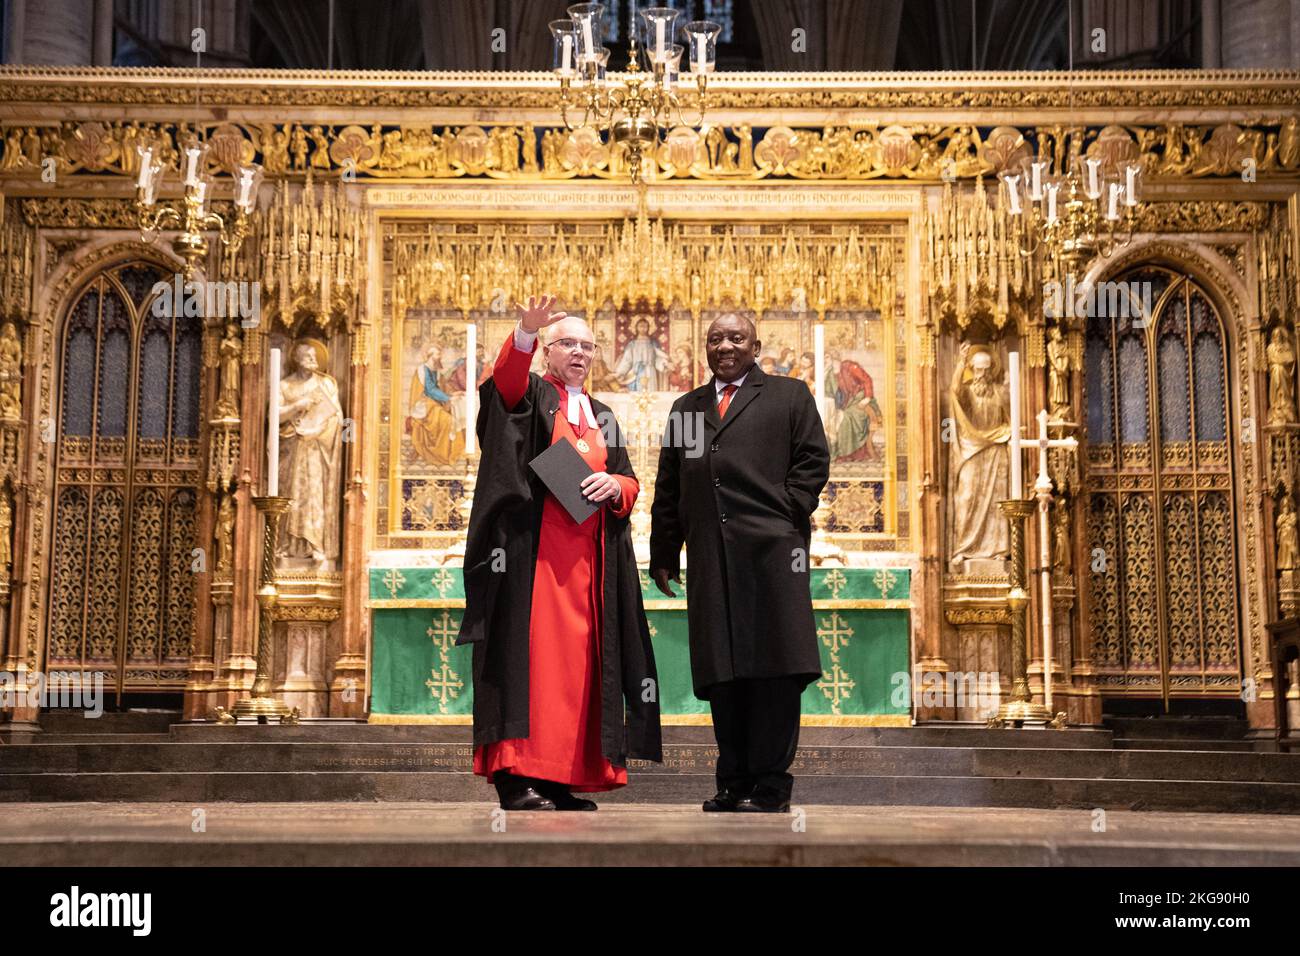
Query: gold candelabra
x=193 y=216
x=260 y=703
x=1088 y=208
x=638 y=112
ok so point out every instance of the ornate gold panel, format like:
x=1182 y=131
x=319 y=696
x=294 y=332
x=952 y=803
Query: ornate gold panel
x=675 y=277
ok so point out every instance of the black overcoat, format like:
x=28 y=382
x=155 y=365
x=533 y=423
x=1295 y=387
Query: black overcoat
x=500 y=559
x=743 y=507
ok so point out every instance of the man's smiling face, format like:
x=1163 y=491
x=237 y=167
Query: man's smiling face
x=731 y=345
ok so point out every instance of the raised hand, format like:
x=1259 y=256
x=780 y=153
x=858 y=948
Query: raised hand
x=538 y=315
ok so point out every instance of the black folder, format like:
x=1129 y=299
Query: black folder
x=562 y=470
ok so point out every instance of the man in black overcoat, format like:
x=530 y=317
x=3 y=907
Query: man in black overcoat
x=741 y=500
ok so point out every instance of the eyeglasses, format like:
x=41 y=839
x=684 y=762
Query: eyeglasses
x=574 y=345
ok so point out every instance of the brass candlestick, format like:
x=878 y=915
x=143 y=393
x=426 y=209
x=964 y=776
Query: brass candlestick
x=261 y=704
x=1020 y=709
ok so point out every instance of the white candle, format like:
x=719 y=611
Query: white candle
x=1036 y=187
x=1013 y=195
x=471 y=382
x=1112 y=210
x=586 y=36
x=1013 y=380
x=699 y=53
x=245 y=187
x=819 y=365
x=1051 y=202
x=1130 y=186
x=146 y=168
x=659 y=39
x=192 y=166
x=273 y=426
x=1093 y=190
x=566 y=57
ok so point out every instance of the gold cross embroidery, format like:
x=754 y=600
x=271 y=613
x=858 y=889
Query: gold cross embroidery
x=393 y=580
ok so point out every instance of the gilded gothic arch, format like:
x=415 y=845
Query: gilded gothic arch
x=1223 y=286
x=140 y=492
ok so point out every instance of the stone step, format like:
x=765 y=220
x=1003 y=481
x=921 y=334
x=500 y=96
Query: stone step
x=1193 y=744
x=476 y=834
x=270 y=756
x=1201 y=728
x=927 y=736
x=203 y=787
x=102 y=738
x=110 y=721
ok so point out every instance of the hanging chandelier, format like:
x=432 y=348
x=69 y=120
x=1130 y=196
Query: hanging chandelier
x=638 y=109
x=193 y=217
x=1087 y=209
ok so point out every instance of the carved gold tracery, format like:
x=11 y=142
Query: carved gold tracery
x=126 y=471
x=1161 y=509
x=791 y=276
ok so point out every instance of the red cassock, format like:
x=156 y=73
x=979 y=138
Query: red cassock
x=563 y=744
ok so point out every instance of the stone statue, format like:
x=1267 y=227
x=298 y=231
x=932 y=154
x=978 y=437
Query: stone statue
x=6 y=532
x=1058 y=376
x=979 y=460
x=311 y=457
x=228 y=397
x=1061 y=536
x=225 y=532
x=11 y=372
x=1281 y=377
x=1288 y=547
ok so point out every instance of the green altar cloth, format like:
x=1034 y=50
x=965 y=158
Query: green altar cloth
x=418 y=675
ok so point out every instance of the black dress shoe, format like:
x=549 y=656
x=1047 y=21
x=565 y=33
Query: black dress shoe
x=564 y=800
x=559 y=794
x=519 y=793
x=764 y=800
x=724 y=801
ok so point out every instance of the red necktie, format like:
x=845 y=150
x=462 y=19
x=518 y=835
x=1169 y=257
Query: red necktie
x=727 y=392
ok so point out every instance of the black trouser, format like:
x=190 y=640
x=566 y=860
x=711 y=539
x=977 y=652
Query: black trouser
x=756 y=724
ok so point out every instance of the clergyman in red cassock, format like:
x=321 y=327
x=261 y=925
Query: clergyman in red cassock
x=565 y=688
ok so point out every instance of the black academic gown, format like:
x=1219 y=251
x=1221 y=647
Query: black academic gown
x=743 y=509
x=500 y=558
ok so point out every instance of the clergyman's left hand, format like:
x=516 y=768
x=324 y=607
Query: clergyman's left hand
x=600 y=486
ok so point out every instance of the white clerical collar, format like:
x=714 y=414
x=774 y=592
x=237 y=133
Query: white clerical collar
x=719 y=385
x=578 y=400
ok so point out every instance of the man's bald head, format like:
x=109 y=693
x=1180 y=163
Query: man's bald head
x=571 y=361
x=571 y=327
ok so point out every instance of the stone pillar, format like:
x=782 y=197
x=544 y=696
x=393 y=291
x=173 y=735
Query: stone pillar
x=237 y=670
x=927 y=588
x=50 y=33
x=1261 y=34
x=102 y=53
x=202 y=670
x=348 y=685
x=1211 y=35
